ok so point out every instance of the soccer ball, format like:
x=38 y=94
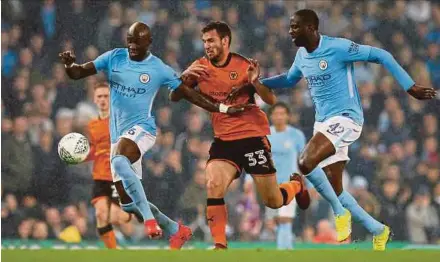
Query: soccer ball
x=73 y=148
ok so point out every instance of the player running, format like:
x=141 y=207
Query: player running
x=240 y=141
x=135 y=75
x=327 y=65
x=105 y=198
x=287 y=143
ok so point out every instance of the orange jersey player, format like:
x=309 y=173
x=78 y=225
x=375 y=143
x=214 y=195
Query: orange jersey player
x=105 y=197
x=240 y=141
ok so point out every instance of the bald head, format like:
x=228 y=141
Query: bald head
x=140 y=29
x=138 y=41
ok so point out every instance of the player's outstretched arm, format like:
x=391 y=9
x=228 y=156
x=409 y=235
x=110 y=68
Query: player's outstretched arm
x=352 y=52
x=73 y=70
x=383 y=57
x=189 y=78
x=206 y=102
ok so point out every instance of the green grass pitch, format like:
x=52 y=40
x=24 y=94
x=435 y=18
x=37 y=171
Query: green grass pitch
x=218 y=256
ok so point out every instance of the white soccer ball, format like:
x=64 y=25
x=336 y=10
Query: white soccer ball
x=73 y=148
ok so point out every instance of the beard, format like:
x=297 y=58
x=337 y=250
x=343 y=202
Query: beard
x=216 y=58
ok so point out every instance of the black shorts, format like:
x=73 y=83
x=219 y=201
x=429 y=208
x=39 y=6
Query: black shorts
x=103 y=188
x=253 y=155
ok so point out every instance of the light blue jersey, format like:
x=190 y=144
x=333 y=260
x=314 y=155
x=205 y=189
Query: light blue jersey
x=286 y=148
x=329 y=72
x=133 y=87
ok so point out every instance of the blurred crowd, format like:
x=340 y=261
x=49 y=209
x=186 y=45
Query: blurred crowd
x=394 y=167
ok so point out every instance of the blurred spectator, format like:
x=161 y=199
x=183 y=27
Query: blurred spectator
x=249 y=210
x=9 y=57
x=11 y=216
x=17 y=159
x=40 y=231
x=325 y=234
x=192 y=203
x=392 y=209
x=53 y=219
x=49 y=19
x=422 y=218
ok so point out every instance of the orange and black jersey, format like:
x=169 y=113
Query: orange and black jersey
x=99 y=137
x=221 y=80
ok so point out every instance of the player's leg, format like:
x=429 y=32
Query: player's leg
x=177 y=233
x=101 y=203
x=380 y=231
x=276 y=196
x=329 y=139
x=317 y=149
x=126 y=167
x=284 y=219
x=103 y=225
x=119 y=217
x=219 y=175
x=257 y=160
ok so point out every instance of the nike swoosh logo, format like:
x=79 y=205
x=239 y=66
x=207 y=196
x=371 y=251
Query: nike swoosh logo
x=116 y=71
x=304 y=66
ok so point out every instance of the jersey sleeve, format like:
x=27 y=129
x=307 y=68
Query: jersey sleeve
x=289 y=79
x=171 y=79
x=102 y=62
x=350 y=51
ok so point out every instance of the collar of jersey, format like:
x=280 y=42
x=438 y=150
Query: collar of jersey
x=148 y=58
x=321 y=37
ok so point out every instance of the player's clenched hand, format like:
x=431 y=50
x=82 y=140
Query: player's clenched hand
x=67 y=58
x=237 y=109
x=253 y=71
x=421 y=92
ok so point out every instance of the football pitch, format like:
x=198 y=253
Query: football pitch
x=315 y=255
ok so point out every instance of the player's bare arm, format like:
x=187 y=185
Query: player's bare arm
x=264 y=92
x=208 y=103
x=76 y=71
x=253 y=74
x=186 y=90
x=189 y=78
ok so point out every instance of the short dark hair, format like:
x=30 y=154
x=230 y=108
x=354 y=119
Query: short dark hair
x=279 y=104
x=222 y=29
x=309 y=17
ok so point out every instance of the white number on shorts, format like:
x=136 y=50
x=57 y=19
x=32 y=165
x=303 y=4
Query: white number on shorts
x=335 y=129
x=252 y=161
x=114 y=192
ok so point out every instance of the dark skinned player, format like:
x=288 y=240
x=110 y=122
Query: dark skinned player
x=135 y=75
x=327 y=65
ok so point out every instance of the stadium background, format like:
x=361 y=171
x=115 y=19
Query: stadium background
x=394 y=172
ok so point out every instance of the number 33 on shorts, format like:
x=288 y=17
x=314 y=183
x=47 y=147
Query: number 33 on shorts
x=256 y=157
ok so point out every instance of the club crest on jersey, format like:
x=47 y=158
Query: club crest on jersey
x=233 y=75
x=323 y=65
x=287 y=144
x=144 y=78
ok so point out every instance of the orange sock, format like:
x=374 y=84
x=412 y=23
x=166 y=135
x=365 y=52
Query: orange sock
x=217 y=217
x=289 y=190
x=107 y=236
